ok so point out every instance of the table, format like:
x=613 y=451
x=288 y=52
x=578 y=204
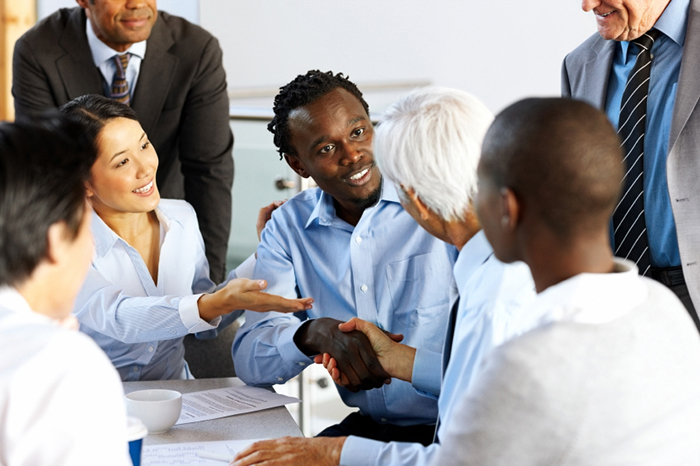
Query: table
x=270 y=423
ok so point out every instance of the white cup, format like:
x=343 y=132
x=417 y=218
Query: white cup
x=158 y=409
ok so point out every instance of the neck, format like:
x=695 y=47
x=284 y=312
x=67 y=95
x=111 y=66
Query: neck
x=350 y=213
x=129 y=225
x=40 y=293
x=552 y=260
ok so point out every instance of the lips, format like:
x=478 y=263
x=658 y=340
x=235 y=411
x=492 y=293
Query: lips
x=147 y=189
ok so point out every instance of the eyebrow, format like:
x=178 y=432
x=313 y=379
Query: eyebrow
x=318 y=141
x=122 y=151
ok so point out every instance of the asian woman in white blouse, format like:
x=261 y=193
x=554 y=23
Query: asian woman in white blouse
x=149 y=284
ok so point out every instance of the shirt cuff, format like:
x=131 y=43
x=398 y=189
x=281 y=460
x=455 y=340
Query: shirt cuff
x=360 y=451
x=427 y=368
x=288 y=349
x=189 y=313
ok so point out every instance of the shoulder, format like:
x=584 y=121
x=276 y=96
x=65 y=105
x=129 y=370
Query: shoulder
x=585 y=52
x=298 y=209
x=46 y=31
x=183 y=32
x=177 y=209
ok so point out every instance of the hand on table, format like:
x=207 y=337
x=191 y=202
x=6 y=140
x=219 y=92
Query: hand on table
x=241 y=293
x=286 y=451
x=265 y=214
x=351 y=350
x=395 y=359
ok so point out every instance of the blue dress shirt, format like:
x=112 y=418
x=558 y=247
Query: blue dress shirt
x=138 y=323
x=386 y=270
x=494 y=307
x=665 y=68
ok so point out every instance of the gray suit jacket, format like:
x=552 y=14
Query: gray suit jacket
x=180 y=99
x=585 y=75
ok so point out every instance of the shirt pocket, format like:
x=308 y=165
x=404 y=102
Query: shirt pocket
x=419 y=288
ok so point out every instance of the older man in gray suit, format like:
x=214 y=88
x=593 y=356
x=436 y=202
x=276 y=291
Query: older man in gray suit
x=171 y=74
x=655 y=93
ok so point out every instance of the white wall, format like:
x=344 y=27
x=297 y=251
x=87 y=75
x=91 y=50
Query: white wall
x=499 y=50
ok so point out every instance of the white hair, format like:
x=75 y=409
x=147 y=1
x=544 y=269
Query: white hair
x=430 y=141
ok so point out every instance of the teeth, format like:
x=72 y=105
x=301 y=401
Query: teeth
x=359 y=175
x=145 y=189
x=607 y=14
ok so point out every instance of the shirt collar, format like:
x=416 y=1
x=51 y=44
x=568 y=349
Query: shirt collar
x=105 y=237
x=593 y=298
x=11 y=299
x=471 y=257
x=673 y=23
x=324 y=210
x=102 y=52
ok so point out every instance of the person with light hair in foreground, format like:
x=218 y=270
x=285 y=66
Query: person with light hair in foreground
x=52 y=410
x=428 y=144
x=611 y=374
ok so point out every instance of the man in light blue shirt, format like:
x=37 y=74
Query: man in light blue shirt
x=597 y=72
x=428 y=144
x=351 y=246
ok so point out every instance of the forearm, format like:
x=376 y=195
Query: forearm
x=264 y=351
x=363 y=452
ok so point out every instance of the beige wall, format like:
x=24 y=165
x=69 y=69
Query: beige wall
x=16 y=16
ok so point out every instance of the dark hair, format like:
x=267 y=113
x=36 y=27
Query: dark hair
x=94 y=111
x=303 y=90
x=562 y=157
x=43 y=167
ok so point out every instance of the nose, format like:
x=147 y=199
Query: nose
x=588 y=5
x=352 y=153
x=144 y=169
x=135 y=4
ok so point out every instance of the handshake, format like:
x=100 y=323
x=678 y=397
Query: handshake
x=361 y=356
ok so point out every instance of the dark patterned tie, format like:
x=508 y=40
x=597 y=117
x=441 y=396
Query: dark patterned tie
x=631 y=240
x=446 y=352
x=120 y=86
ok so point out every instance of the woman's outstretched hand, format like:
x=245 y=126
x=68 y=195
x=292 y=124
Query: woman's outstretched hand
x=242 y=293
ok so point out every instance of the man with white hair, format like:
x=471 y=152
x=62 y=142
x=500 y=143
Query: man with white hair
x=428 y=145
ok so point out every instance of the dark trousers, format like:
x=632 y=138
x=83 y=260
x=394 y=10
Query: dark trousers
x=364 y=426
x=682 y=292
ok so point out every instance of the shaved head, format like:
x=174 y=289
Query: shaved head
x=561 y=158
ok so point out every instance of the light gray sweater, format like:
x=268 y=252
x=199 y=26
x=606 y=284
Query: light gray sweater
x=578 y=392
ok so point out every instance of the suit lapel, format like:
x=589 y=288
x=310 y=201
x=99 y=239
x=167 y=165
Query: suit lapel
x=155 y=76
x=597 y=72
x=688 y=91
x=76 y=68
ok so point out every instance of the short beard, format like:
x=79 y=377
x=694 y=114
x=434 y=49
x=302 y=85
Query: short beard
x=370 y=200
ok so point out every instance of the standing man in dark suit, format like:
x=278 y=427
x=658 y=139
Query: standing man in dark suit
x=169 y=70
x=668 y=191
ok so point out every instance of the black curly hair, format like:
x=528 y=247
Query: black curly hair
x=303 y=90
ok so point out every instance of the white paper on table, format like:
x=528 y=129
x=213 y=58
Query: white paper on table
x=222 y=402
x=185 y=454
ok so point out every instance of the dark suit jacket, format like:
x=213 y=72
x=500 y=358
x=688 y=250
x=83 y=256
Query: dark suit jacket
x=180 y=98
x=585 y=74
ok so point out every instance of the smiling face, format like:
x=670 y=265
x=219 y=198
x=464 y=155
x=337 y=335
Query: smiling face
x=625 y=20
x=123 y=178
x=120 y=23
x=332 y=139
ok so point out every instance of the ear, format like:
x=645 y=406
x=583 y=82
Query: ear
x=296 y=165
x=88 y=190
x=413 y=198
x=511 y=209
x=82 y=4
x=56 y=242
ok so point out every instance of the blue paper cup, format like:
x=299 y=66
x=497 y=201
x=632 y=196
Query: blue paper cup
x=135 y=432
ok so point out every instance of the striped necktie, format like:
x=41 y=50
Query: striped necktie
x=629 y=224
x=120 y=86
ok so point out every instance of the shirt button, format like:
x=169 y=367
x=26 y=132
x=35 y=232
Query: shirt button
x=150 y=349
x=302 y=363
x=358 y=239
x=383 y=419
x=280 y=379
x=363 y=288
x=136 y=369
